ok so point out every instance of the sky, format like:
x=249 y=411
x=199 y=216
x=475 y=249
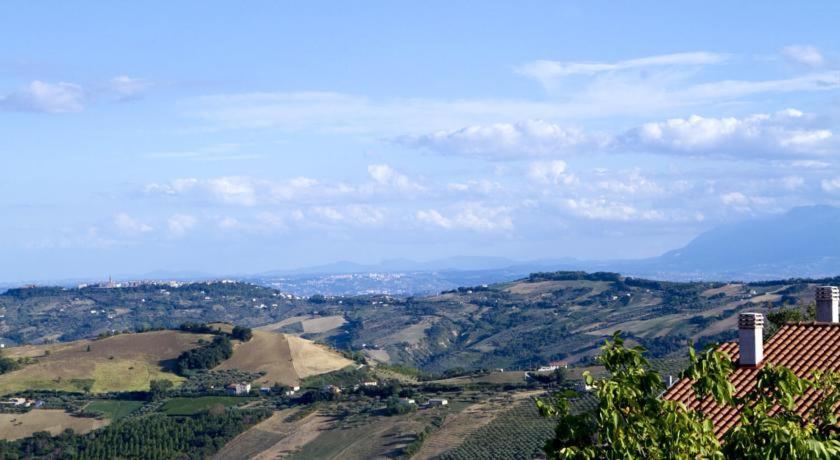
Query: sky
x=232 y=138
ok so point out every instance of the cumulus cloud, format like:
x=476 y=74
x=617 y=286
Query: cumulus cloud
x=830 y=185
x=40 y=96
x=180 y=224
x=548 y=71
x=504 y=140
x=127 y=87
x=793 y=182
x=803 y=54
x=787 y=132
x=470 y=216
x=633 y=183
x=605 y=209
x=551 y=172
x=387 y=176
x=233 y=190
x=128 y=224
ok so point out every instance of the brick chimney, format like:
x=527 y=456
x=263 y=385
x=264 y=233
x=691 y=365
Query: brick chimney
x=828 y=300
x=750 y=340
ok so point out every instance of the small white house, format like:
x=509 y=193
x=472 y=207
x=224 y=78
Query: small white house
x=438 y=402
x=239 y=389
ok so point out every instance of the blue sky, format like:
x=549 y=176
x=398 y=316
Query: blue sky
x=208 y=137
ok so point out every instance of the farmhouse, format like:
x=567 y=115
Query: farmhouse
x=438 y=402
x=800 y=347
x=239 y=389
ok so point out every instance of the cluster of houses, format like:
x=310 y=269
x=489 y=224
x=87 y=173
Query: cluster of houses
x=244 y=389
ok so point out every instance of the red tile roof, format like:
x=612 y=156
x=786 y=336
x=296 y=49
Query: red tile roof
x=801 y=347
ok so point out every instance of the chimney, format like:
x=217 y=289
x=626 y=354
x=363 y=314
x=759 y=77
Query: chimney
x=828 y=300
x=750 y=340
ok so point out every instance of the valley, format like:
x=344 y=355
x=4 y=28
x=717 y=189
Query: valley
x=93 y=355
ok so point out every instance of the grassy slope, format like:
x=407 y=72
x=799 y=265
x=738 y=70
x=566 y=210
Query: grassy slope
x=128 y=362
x=114 y=409
x=124 y=362
x=284 y=359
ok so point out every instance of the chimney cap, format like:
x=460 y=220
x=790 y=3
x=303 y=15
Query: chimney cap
x=827 y=292
x=750 y=321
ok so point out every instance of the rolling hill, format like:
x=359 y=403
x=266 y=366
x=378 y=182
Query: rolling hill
x=128 y=362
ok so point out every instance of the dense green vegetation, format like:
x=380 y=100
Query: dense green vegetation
x=7 y=364
x=207 y=356
x=632 y=421
x=149 y=437
x=192 y=406
x=114 y=409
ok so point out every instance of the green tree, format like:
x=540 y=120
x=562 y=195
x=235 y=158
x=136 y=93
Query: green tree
x=159 y=388
x=632 y=421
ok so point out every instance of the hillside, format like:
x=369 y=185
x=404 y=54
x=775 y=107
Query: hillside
x=518 y=324
x=128 y=362
x=284 y=359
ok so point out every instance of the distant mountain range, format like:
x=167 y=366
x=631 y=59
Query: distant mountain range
x=803 y=242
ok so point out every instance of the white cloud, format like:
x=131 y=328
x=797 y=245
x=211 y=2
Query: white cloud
x=830 y=185
x=548 y=71
x=606 y=95
x=804 y=54
x=233 y=190
x=551 y=172
x=180 y=224
x=793 y=182
x=634 y=183
x=504 y=140
x=734 y=199
x=128 y=87
x=387 y=176
x=787 y=132
x=783 y=133
x=40 y=96
x=480 y=186
x=470 y=216
x=128 y=224
x=359 y=215
x=604 y=209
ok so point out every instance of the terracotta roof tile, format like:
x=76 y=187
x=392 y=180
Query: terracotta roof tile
x=801 y=347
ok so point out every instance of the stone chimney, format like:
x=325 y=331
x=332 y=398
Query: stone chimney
x=828 y=300
x=750 y=340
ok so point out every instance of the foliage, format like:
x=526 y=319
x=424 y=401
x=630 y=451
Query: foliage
x=114 y=409
x=396 y=407
x=192 y=406
x=632 y=421
x=241 y=333
x=204 y=380
x=159 y=388
x=7 y=364
x=772 y=428
x=205 y=357
x=150 y=437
